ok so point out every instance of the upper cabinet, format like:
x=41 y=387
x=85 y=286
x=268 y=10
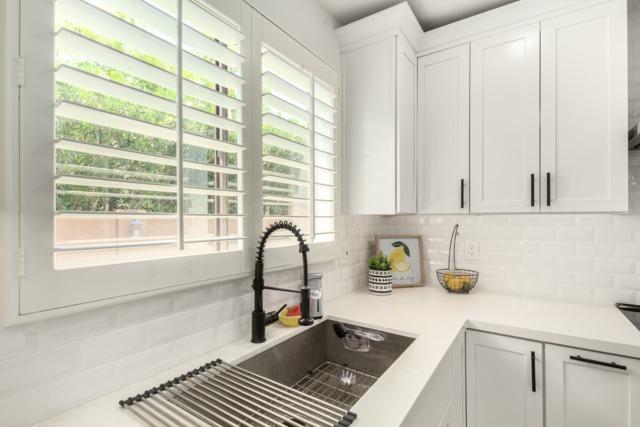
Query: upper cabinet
x=379 y=83
x=584 y=100
x=443 y=131
x=510 y=117
x=505 y=101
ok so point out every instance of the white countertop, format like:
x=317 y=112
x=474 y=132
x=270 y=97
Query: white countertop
x=435 y=319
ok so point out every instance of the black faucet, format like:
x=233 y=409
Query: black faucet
x=260 y=319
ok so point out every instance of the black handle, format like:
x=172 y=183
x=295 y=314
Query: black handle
x=548 y=188
x=462 y=194
x=533 y=188
x=597 y=362
x=533 y=371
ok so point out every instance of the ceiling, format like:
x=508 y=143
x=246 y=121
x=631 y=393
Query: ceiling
x=430 y=13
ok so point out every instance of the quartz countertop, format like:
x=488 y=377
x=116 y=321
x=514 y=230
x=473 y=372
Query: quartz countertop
x=434 y=318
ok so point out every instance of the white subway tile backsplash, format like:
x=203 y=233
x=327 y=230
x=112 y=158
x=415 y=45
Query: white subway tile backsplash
x=113 y=345
x=615 y=265
x=585 y=257
x=21 y=372
x=628 y=281
x=19 y=410
x=170 y=328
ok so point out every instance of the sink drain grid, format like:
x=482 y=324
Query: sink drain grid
x=327 y=382
x=220 y=394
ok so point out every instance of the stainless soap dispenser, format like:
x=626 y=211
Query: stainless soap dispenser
x=315 y=288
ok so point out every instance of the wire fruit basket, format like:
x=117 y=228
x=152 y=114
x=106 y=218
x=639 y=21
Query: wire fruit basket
x=456 y=280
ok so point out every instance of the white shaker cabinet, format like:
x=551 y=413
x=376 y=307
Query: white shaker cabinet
x=443 y=131
x=505 y=121
x=583 y=106
x=504 y=381
x=442 y=403
x=589 y=389
x=379 y=82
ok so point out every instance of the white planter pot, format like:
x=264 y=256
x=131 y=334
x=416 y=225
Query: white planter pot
x=380 y=282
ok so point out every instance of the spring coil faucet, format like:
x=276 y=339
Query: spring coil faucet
x=260 y=319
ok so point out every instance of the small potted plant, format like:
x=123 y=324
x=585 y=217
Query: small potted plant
x=380 y=275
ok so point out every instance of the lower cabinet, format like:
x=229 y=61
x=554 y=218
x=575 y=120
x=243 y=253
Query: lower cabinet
x=441 y=402
x=504 y=381
x=589 y=389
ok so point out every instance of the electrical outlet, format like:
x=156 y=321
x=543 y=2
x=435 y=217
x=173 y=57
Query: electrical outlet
x=471 y=250
x=346 y=256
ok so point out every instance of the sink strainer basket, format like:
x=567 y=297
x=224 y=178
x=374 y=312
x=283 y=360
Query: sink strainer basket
x=457 y=280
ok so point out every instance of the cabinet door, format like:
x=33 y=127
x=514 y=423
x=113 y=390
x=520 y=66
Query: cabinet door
x=505 y=121
x=584 y=110
x=369 y=83
x=583 y=393
x=501 y=390
x=441 y=402
x=443 y=131
x=406 y=127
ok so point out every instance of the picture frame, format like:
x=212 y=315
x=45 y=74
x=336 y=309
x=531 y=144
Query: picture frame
x=406 y=255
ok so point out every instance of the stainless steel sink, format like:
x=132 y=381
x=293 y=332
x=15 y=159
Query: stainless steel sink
x=319 y=363
x=311 y=379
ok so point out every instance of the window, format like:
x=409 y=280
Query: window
x=122 y=146
x=141 y=162
x=298 y=148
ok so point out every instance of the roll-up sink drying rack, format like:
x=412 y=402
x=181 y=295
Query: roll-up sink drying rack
x=220 y=394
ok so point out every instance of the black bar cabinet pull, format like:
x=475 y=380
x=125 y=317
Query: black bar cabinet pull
x=533 y=188
x=462 y=194
x=533 y=371
x=597 y=362
x=548 y=188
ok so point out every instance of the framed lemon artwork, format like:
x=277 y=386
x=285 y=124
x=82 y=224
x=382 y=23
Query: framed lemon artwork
x=405 y=256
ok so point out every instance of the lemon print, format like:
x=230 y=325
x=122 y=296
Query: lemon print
x=398 y=260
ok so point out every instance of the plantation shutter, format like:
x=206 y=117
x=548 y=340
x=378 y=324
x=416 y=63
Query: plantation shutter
x=148 y=151
x=286 y=144
x=324 y=144
x=299 y=147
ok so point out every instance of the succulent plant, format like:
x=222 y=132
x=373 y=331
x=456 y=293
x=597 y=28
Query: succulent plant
x=379 y=262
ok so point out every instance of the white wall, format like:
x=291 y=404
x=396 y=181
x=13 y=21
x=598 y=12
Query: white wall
x=306 y=21
x=586 y=257
x=51 y=366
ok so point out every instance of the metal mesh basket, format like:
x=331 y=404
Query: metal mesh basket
x=456 y=280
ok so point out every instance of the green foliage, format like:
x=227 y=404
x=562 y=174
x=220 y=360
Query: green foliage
x=379 y=262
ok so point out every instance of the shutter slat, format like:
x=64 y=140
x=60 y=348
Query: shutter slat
x=149 y=16
x=202 y=19
x=283 y=89
x=285 y=162
x=286 y=126
x=285 y=144
x=97 y=52
x=101 y=150
x=139 y=186
x=142 y=243
x=278 y=104
x=284 y=180
x=98 y=117
x=79 y=78
x=137 y=39
x=273 y=63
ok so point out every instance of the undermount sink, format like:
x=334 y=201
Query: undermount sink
x=319 y=363
x=311 y=379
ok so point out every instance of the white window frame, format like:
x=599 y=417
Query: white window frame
x=32 y=288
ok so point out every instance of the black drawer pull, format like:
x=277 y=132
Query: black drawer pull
x=462 y=194
x=597 y=362
x=533 y=371
x=533 y=188
x=548 y=188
